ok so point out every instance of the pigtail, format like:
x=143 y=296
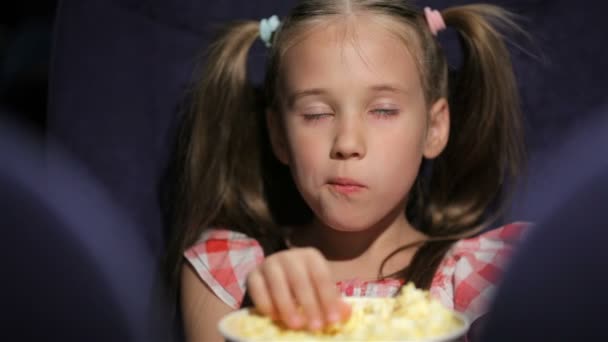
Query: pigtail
x=221 y=182
x=485 y=148
x=465 y=189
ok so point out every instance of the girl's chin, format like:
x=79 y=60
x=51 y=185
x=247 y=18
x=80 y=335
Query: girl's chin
x=341 y=225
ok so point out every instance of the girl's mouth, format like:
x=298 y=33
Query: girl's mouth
x=345 y=185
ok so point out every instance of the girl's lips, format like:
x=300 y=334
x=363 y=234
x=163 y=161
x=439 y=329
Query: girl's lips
x=346 y=189
x=345 y=185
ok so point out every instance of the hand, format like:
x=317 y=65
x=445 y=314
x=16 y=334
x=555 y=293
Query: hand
x=295 y=287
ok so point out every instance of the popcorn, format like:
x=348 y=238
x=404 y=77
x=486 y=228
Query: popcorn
x=410 y=316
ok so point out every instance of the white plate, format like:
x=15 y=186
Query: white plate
x=452 y=336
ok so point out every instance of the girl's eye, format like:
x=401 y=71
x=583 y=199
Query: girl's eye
x=315 y=117
x=385 y=113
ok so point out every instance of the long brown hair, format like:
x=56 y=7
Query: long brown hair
x=229 y=177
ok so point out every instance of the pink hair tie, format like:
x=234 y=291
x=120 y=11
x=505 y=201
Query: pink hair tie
x=434 y=20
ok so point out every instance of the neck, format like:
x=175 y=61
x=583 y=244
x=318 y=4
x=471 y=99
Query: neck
x=377 y=241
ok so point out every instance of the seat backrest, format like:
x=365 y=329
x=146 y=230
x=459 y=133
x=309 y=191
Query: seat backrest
x=554 y=289
x=75 y=267
x=120 y=68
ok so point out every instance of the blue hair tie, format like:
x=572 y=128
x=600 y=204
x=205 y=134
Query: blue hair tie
x=267 y=28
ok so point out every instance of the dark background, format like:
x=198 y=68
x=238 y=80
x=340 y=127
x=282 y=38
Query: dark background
x=25 y=46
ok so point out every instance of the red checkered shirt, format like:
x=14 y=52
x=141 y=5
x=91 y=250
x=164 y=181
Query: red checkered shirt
x=464 y=281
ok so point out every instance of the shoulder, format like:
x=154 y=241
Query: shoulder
x=468 y=274
x=215 y=242
x=497 y=239
x=222 y=259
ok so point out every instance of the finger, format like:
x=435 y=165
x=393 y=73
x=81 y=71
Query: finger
x=345 y=310
x=258 y=291
x=282 y=298
x=327 y=293
x=304 y=292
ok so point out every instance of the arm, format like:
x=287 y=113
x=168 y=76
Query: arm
x=201 y=308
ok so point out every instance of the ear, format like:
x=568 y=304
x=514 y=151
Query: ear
x=438 y=129
x=277 y=136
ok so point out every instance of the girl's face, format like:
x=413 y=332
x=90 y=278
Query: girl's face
x=355 y=125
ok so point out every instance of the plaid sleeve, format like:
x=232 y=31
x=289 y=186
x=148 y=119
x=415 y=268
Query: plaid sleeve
x=222 y=259
x=469 y=273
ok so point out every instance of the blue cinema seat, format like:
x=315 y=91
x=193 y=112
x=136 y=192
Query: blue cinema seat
x=74 y=267
x=554 y=289
x=120 y=69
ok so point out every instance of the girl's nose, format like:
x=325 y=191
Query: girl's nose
x=349 y=141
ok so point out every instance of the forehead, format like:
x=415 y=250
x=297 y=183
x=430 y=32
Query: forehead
x=351 y=51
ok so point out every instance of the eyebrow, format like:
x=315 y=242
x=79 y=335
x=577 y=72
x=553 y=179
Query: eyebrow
x=292 y=98
x=388 y=88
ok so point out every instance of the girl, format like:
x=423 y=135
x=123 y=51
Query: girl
x=363 y=164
